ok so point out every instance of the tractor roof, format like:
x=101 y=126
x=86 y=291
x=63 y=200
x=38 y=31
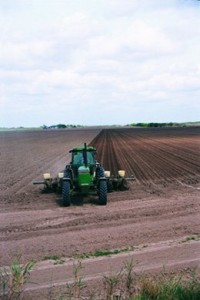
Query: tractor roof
x=80 y=149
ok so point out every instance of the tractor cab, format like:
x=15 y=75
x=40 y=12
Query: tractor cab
x=83 y=156
x=83 y=167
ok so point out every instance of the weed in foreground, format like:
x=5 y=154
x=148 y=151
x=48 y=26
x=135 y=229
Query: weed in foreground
x=13 y=279
x=130 y=278
x=112 y=287
x=170 y=288
x=74 y=289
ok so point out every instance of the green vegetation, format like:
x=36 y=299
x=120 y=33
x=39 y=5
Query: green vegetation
x=166 y=288
x=13 y=279
x=57 y=259
x=170 y=124
x=105 y=252
x=122 y=285
x=61 y=126
x=21 y=128
x=127 y=285
x=194 y=237
x=74 y=289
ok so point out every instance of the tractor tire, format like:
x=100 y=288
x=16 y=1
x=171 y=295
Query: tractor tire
x=66 y=198
x=102 y=192
x=99 y=173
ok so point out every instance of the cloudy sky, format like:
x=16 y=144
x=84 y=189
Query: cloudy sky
x=99 y=61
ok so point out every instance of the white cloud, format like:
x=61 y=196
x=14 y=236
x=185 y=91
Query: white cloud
x=109 y=57
x=23 y=53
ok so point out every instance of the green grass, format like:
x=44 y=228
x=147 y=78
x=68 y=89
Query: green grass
x=194 y=237
x=57 y=259
x=105 y=252
x=174 y=288
x=14 y=278
x=110 y=252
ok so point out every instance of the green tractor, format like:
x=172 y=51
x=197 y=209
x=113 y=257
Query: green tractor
x=84 y=176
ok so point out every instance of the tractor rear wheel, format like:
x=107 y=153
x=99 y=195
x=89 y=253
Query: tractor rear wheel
x=99 y=173
x=102 y=192
x=66 y=198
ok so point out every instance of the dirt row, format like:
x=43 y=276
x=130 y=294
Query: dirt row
x=161 y=206
x=152 y=156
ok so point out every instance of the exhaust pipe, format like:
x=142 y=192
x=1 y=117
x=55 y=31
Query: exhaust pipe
x=85 y=155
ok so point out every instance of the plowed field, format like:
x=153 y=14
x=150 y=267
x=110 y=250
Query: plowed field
x=157 y=218
x=153 y=156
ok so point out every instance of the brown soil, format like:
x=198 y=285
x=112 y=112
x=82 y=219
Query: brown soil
x=161 y=207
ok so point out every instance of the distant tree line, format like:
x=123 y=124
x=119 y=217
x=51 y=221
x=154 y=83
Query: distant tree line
x=170 y=124
x=61 y=126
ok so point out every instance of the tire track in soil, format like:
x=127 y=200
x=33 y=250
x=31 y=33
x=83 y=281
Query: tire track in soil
x=67 y=222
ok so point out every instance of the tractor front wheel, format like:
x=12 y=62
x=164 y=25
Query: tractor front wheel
x=103 y=192
x=66 y=198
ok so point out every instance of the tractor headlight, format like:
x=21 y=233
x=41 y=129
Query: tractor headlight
x=47 y=176
x=107 y=173
x=60 y=175
x=121 y=173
